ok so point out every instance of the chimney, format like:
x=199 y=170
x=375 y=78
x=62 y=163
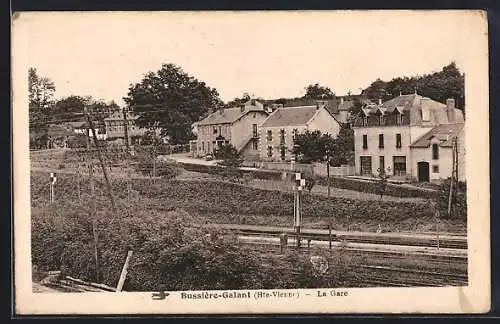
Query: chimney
x=242 y=108
x=341 y=100
x=380 y=101
x=450 y=110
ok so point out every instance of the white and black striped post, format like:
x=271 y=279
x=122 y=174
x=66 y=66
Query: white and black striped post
x=297 y=210
x=53 y=180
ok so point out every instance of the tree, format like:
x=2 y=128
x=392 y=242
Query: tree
x=230 y=156
x=342 y=151
x=69 y=109
x=238 y=101
x=312 y=146
x=383 y=177
x=355 y=109
x=170 y=100
x=41 y=98
x=439 y=86
x=315 y=91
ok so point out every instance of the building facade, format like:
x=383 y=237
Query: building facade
x=237 y=126
x=115 y=127
x=277 y=132
x=384 y=133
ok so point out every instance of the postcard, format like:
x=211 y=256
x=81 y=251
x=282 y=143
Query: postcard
x=251 y=162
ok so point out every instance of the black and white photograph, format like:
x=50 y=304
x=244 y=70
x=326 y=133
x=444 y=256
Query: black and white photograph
x=251 y=162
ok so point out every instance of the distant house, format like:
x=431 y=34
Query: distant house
x=237 y=126
x=432 y=154
x=80 y=127
x=277 y=132
x=384 y=135
x=115 y=127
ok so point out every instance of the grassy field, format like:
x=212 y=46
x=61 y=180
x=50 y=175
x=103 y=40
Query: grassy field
x=215 y=201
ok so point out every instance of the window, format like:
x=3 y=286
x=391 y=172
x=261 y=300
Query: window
x=398 y=140
x=269 y=151
x=381 y=164
x=425 y=114
x=203 y=146
x=254 y=115
x=269 y=135
x=254 y=145
x=398 y=119
x=435 y=169
x=365 y=121
x=366 y=165
x=365 y=141
x=381 y=140
x=282 y=152
x=220 y=130
x=282 y=136
x=215 y=130
x=254 y=130
x=399 y=165
x=435 y=151
x=381 y=120
x=295 y=132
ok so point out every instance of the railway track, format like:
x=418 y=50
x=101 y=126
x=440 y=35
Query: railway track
x=403 y=277
x=426 y=240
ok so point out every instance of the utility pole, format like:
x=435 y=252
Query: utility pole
x=125 y=122
x=328 y=186
x=92 y=198
x=453 y=173
x=105 y=172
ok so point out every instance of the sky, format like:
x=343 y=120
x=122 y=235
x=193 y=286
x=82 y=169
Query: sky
x=266 y=54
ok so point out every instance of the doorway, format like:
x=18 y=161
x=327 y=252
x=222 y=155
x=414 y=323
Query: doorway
x=423 y=171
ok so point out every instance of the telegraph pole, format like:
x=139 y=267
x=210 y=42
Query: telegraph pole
x=125 y=122
x=328 y=186
x=105 y=172
x=92 y=198
x=454 y=172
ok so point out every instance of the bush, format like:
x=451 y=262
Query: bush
x=459 y=201
x=374 y=187
x=169 y=253
x=162 y=169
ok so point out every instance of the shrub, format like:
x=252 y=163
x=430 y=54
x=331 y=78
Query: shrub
x=375 y=188
x=169 y=253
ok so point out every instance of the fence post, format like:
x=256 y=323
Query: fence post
x=124 y=272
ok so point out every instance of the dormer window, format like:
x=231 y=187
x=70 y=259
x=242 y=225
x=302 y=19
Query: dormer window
x=381 y=120
x=399 y=118
x=425 y=114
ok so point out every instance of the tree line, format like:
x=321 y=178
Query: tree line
x=170 y=100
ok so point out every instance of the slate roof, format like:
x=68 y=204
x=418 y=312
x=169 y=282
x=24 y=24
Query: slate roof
x=413 y=103
x=76 y=124
x=58 y=131
x=227 y=115
x=290 y=116
x=444 y=133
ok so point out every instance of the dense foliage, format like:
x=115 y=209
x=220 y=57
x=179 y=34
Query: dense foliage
x=442 y=85
x=312 y=146
x=171 y=100
x=315 y=91
x=171 y=251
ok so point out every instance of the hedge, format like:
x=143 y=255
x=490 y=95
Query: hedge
x=374 y=187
